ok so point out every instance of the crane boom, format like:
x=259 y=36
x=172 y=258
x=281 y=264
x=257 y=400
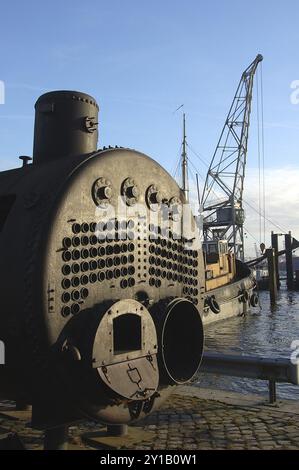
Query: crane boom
x=223 y=189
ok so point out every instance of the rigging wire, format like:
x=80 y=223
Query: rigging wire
x=263 y=150
x=259 y=156
x=268 y=219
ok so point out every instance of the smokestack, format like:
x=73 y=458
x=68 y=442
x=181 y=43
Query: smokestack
x=66 y=125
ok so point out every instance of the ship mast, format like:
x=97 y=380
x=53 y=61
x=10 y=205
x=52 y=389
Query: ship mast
x=185 y=182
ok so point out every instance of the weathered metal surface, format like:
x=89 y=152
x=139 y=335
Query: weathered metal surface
x=91 y=242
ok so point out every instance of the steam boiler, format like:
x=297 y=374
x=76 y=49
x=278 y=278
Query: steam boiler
x=102 y=275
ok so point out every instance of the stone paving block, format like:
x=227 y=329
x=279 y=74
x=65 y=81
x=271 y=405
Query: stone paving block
x=191 y=423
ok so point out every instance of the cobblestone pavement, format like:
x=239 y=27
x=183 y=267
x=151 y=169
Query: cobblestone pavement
x=190 y=423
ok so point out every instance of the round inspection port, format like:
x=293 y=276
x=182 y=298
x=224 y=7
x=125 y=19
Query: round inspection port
x=93 y=265
x=93 y=226
x=66 y=283
x=124 y=271
x=182 y=341
x=85 y=253
x=66 y=297
x=66 y=256
x=84 y=280
x=93 y=278
x=131 y=247
x=75 y=308
x=84 y=240
x=124 y=259
x=101 y=276
x=75 y=255
x=130 y=224
x=84 y=266
x=84 y=293
x=124 y=284
x=110 y=225
x=109 y=275
x=123 y=235
x=75 y=295
x=131 y=270
x=65 y=311
x=93 y=240
x=84 y=227
x=66 y=269
x=76 y=242
x=76 y=228
x=110 y=237
x=101 y=263
x=131 y=235
x=101 y=251
x=116 y=249
x=109 y=262
x=116 y=273
x=116 y=261
x=66 y=242
x=109 y=250
x=75 y=281
x=131 y=259
x=131 y=282
x=124 y=248
x=93 y=252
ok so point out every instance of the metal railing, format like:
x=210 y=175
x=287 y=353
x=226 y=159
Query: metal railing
x=253 y=367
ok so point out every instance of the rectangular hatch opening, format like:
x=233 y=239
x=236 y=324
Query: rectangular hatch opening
x=127 y=333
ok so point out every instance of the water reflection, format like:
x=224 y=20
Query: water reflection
x=268 y=332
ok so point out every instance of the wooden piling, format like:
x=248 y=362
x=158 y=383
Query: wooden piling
x=289 y=260
x=272 y=275
x=274 y=244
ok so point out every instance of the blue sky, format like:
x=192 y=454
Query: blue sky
x=141 y=60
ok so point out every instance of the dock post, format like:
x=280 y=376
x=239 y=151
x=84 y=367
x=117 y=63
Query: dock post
x=272 y=275
x=274 y=244
x=289 y=260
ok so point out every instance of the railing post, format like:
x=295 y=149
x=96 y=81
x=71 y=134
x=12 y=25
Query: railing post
x=272 y=392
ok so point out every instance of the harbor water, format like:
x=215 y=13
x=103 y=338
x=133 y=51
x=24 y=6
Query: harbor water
x=268 y=332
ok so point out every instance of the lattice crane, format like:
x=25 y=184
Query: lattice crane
x=223 y=189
